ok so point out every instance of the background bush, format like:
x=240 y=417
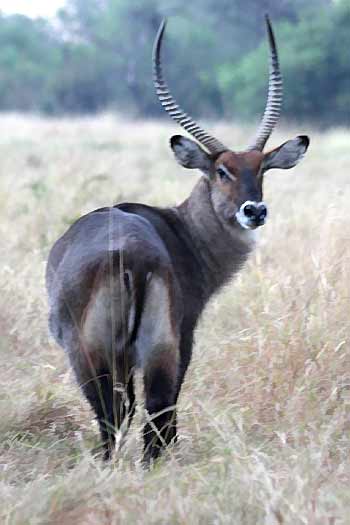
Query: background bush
x=96 y=55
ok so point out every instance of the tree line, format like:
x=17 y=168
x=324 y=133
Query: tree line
x=96 y=55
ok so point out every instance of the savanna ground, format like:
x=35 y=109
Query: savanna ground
x=265 y=409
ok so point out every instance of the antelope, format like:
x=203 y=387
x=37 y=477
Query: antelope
x=127 y=284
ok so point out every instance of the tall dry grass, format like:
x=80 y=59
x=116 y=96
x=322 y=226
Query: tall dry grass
x=265 y=409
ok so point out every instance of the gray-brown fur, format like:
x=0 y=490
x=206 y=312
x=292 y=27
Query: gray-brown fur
x=127 y=285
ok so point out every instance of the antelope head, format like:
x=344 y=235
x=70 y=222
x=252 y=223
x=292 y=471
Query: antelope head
x=235 y=178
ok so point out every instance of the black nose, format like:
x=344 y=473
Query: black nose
x=255 y=212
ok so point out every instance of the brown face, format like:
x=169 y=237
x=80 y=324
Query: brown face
x=236 y=179
x=237 y=188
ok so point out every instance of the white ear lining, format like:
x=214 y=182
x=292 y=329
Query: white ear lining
x=190 y=155
x=288 y=155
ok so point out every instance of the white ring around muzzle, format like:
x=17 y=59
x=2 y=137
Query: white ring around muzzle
x=245 y=221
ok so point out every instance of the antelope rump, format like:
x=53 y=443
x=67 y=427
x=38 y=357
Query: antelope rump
x=127 y=284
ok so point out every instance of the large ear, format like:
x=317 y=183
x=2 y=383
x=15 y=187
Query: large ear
x=288 y=155
x=190 y=155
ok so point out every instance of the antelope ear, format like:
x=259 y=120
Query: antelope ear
x=288 y=155
x=190 y=155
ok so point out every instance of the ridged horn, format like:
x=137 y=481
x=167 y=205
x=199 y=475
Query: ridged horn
x=275 y=95
x=170 y=105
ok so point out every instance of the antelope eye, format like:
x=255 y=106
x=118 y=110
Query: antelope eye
x=222 y=174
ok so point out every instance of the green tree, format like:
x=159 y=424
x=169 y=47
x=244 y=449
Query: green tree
x=29 y=58
x=215 y=57
x=314 y=64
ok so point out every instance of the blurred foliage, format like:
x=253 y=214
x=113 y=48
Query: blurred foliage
x=97 y=55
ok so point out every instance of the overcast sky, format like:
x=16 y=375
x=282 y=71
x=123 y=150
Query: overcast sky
x=31 y=7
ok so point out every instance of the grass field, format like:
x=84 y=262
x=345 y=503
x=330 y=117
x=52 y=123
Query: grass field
x=264 y=415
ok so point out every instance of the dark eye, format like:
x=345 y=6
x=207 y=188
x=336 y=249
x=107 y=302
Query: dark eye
x=222 y=174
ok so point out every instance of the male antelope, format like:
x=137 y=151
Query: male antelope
x=128 y=283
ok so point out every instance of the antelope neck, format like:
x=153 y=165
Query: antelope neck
x=222 y=248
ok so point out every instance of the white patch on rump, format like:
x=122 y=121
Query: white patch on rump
x=156 y=331
x=108 y=318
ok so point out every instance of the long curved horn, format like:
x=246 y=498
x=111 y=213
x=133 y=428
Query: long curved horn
x=170 y=105
x=275 y=95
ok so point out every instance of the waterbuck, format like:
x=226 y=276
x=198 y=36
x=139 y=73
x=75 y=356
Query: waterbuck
x=128 y=283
